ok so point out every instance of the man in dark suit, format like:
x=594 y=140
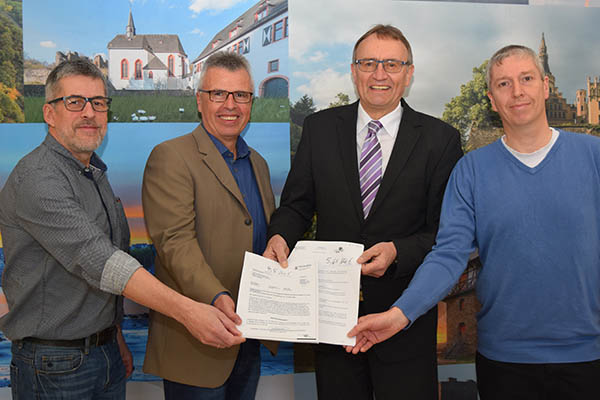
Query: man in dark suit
x=374 y=172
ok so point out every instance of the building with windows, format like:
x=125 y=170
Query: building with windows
x=588 y=102
x=147 y=62
x=261 y=35
x=460 y=310
x=557 y=109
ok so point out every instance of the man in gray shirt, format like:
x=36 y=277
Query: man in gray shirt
x=65 y=239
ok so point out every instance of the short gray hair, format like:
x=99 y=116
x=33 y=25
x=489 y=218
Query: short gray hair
x=77 y=67
x=511 y=50
x=227 y=60
x=385 y=32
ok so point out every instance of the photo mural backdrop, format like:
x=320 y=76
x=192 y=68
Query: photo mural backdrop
x=451 y=44
x=152 y=50
x=151 y=53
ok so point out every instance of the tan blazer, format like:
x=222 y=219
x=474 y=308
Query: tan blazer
x=201 y=228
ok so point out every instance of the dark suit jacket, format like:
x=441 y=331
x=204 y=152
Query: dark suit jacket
x=324 y=179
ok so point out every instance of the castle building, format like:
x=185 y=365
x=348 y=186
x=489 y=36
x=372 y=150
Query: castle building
x=588 y=102
x=461 y=307
x=557 y=109
x=261 y=35
x=147 y=62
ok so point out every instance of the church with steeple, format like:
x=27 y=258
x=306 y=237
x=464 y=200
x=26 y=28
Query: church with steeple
x=147 y=61
x=586 y=109
x=558 y=110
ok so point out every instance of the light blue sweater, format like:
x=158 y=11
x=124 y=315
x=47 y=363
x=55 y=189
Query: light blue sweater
x=538 y=234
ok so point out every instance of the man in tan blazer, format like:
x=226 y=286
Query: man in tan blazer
x=207 y=199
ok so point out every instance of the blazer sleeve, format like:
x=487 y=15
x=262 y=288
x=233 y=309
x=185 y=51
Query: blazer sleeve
x=412 y=249
x=169 y=209
x=295 y=213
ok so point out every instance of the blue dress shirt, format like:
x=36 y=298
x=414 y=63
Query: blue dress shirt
x=242 y=171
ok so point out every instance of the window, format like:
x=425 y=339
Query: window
x=138 y=69
x=278 y=31
x=171 y=65
x=124 y=69
x=273 y=66
x=260 y=14
x=275 y=32
x=182 y=67
x=240 y=47
x=267 y=35
x=236 y=30
x=150 y=75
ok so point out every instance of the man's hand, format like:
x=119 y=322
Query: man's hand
x=211 y=326
x=125 y=353
x=376 y=260
x=206 y=323
x=277 y=250
x=375 y=328
x=226 y=304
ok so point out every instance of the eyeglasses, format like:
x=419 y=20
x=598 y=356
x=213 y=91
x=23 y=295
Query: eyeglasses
x=77 y=103
x=370 y=65
x=220 y=96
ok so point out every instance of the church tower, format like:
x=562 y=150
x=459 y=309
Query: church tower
x=557 y=108
x=543 y=54
x=130 y=29
x=593 y=100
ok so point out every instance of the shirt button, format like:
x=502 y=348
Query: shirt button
x=248 y=221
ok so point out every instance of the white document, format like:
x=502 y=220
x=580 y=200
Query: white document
x=314 y=300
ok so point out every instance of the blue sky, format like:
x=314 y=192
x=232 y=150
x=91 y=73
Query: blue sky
x=88 y=26
x=448 y=40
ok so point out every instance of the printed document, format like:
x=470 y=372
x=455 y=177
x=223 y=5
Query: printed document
x=313 y=300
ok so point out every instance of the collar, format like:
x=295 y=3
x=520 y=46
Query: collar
x=55 y=146
x=241 y=146
x=390 y=121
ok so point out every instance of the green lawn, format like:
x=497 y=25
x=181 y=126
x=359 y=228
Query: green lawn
x=166 y=108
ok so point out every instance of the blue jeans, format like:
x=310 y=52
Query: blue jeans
x=66 y=373
x=241 y=384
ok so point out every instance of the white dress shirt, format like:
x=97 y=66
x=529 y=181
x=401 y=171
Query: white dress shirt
x=386 y=135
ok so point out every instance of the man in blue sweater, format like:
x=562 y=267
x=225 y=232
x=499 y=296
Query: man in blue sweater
x=530 y=202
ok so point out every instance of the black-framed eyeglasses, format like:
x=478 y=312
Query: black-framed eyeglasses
x=220 y=96
x=390 y=65
x=77 y=103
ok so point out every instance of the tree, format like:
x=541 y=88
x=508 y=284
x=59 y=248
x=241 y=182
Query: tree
x=8 y=74
x=10 y=111
x=301 y=109
x=471 y=109
x=341 y=99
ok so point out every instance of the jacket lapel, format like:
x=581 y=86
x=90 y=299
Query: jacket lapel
x=406 y=139
x=264 y=186
x=346 y=131
x=215 y=162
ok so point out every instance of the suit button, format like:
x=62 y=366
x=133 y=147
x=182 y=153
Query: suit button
x=248 y=221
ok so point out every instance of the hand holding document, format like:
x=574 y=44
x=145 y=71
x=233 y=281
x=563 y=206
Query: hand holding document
x=314 y=300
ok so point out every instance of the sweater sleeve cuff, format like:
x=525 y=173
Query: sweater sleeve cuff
x=117 y=270
x=410 y=308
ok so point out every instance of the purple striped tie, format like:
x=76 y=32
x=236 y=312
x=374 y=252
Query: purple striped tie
x=370 y=167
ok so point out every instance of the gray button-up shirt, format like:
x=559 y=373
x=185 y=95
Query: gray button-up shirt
x=64 y=235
